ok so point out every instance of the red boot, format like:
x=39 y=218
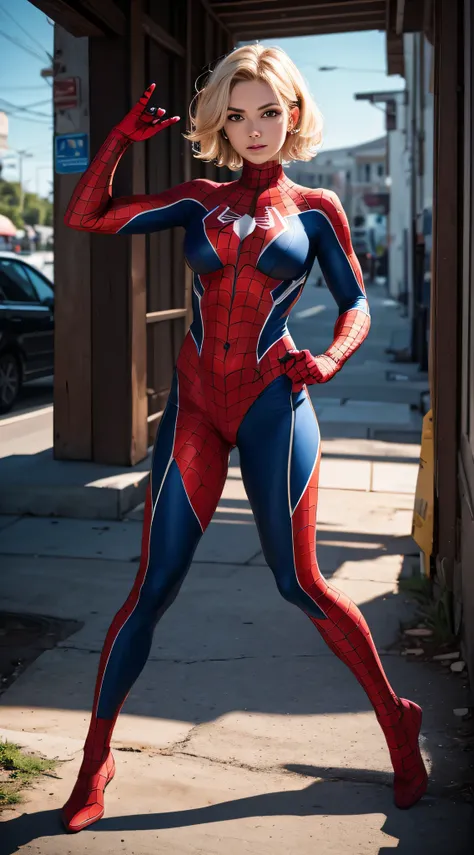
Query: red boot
x=410 y=777
x=86 y=802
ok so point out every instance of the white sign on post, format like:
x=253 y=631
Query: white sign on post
x=3 y=131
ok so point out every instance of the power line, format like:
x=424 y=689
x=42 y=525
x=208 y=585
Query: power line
x=21 y=45
x=35 y=41
x=35 y=104
x=24 y=88
x=26 y=118
x=19 y=109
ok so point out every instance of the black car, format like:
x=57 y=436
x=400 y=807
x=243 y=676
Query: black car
x=26 y=327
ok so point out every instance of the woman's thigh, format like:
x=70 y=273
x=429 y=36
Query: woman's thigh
x=279 y=446
x=189 y=468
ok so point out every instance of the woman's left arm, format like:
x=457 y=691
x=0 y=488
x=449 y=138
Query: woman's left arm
x=341 y=270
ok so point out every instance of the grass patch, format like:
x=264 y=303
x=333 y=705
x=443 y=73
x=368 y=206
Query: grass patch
x=18 y=770
x=434 y=612
x=418 y=586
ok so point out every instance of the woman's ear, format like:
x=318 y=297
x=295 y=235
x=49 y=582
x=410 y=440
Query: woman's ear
x=293 y=118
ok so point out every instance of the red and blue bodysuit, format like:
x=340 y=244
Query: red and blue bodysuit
x=238 y=381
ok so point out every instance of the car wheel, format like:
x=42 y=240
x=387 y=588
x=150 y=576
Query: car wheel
x=10 y=381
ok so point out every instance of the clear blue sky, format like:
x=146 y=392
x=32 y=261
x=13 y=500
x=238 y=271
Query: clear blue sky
x=346 y=121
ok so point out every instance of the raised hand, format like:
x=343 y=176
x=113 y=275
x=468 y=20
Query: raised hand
x=304 y=368
x=143 y=122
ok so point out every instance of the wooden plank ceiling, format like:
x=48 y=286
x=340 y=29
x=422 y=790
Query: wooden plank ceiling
x=263 y=19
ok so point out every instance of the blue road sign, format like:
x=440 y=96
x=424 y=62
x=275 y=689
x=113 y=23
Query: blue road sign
x=71 y=153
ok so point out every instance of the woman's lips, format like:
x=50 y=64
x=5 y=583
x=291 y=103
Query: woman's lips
x=254 y=147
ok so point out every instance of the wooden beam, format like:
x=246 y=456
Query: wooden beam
x=71 y=19
x=326 y=10
x=399 y=17
x=428 y=21
x=155 y=417
x=447 y=204
x=395 y=54
x=271 y=31
x=258 y=6
x=213 y=14
x=311 y=17
x=137 y=366
x=162 y=37
x=165 y=315
x=85 y=17
x=111 y=20
x=414 y=16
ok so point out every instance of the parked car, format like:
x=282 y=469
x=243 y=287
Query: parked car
x=26 y=326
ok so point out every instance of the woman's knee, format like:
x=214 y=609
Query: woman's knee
x=289 y=588
x=160 y=589
x=298 y=595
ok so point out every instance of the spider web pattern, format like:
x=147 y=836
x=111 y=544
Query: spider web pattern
x=92 y=207
x=347 y=634
x=237 y=300
x=202 y=456
x=349 y=332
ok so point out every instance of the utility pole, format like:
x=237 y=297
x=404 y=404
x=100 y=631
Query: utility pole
x=21 y=155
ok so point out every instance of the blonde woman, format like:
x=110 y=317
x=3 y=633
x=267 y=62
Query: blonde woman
x=239 y=381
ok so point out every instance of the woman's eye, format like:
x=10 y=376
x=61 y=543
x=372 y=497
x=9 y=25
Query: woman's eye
x=234 y=116
x=271 y=113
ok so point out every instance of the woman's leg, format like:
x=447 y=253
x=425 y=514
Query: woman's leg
x=189 y=469
x=279 y=447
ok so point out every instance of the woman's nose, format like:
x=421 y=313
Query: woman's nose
x=254 y=132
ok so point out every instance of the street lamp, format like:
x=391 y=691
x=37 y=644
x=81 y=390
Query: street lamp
x=346 y=68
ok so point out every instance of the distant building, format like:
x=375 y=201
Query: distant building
x=358 y=174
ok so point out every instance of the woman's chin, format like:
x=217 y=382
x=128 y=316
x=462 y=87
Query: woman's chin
x=260 y=155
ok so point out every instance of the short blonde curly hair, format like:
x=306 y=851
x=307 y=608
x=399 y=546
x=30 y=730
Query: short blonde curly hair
x=208 y=109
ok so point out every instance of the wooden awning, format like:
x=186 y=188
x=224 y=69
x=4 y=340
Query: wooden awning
x=263 y=19
x=248 y=20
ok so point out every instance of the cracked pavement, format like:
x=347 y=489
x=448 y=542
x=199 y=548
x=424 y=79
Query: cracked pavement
x=244 y=734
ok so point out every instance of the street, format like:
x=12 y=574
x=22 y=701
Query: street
x=244 y=734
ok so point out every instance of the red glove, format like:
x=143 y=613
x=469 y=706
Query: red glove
x=304 y=368
x=143 y=122
x=349 y=333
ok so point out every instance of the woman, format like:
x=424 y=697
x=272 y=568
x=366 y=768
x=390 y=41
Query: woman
x=239 y=381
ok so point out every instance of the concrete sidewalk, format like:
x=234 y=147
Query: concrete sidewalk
x=244 y=734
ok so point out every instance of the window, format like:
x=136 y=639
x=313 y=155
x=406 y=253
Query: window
x=15 y=287
x=43 y=289
x=367 y=172
x=380 y=170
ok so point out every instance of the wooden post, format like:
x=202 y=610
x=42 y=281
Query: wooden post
x=117 y=264
x=72 y=347
x=447 y=203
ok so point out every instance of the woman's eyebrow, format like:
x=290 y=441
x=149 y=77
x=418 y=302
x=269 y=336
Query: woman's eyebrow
x=238 y=110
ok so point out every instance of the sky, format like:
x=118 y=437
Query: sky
x=359 y=57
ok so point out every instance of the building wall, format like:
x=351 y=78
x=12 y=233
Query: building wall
x=399 y=220
x=351 y=172
x=463 y=576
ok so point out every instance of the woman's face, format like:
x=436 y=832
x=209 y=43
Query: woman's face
x=256 y=124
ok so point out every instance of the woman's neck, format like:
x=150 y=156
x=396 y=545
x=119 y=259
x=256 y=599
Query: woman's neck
x=261 y=175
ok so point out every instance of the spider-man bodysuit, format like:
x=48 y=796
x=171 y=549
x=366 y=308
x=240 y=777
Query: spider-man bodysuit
x=238 y=382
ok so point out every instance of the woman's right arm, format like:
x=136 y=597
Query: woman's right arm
x=92 y=207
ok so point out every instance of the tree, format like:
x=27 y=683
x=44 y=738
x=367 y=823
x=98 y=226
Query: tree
x=32 y=216
x=36 y=210
x=13 y=214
